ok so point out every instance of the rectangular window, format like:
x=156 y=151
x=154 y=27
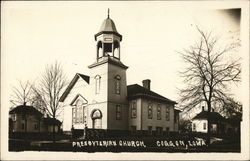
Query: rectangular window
x=194 y=127
x=23 y=126
x=35 y=126
x=167 y=114
x=133 y=129
x=150 y=111
x=150 y=130
x=167 y=130
x=14 y=117
x=74 y=115
x=134 y=110
x=204 y=126
x=118 y=112
x=159 y=112
x=158 y=130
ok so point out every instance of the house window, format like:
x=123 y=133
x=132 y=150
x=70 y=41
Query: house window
x=133 y=129
x=150 y=130
x=159 y=112
x=118 y=112
x=204 y=126
x=35 y=126
x=150 y=111
x=97 y=84
x=23 y=126
x=14 y=117
x=194 y=127
x=167 y=130
x=167 y=114
x=117 y=84
x=133 y=110
x=158 y=130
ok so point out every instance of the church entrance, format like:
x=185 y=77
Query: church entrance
x=97 y=119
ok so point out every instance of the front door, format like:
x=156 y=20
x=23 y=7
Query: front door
x=97 y=123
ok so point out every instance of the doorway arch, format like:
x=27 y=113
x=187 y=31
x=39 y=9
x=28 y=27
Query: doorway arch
x=96 y=116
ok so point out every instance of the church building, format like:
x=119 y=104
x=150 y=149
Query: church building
x=103 y=101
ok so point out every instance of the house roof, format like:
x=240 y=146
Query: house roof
x=215 y=116
x=24 y=109
x=72 y=83
x=51 y=121
x=137 y=91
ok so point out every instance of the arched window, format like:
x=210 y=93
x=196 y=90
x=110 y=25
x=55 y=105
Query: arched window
x=97 y=84
x=117 y=84
x=79 y=111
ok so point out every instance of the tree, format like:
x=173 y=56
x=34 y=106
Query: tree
x=22 y=94
x=208 y=74
x=49 y=90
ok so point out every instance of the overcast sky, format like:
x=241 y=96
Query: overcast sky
x=38 y=33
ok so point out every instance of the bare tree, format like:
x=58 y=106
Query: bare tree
x=22 y=94
x=208 y=73
x=49 y=90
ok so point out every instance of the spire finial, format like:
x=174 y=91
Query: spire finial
x=108 y=12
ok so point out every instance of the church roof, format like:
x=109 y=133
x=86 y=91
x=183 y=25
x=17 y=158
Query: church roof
x=72 y=83
x=108 y=27
x=109 y=60
x=137 y=91
x=214 y=116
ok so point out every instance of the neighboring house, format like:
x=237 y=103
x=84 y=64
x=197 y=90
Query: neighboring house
x=27 y=119
x=219 y=124
x=103 y=100
x=200 y=124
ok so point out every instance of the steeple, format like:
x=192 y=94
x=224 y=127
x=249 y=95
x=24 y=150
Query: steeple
x=108 y=40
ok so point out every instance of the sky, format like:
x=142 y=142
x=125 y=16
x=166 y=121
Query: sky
x=35 y=34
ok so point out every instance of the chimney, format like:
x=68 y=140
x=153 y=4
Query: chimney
x=146 y=83
x=203 y=108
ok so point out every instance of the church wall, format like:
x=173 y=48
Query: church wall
x=113 y=122
x=154 y=122
x=103 y=108
x=81 y=87
x=100 y=70
x=137 y=120
x=113 y=72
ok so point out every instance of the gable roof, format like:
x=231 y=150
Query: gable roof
x=137 y=91
x=24 y=109
x=214 y=116
x=72 y=83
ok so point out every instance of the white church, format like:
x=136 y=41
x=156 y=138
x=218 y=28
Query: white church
x=104 y=102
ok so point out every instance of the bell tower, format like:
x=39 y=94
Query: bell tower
x=108 y=82
x=108 y=40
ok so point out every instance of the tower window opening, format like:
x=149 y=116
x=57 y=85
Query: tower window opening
x=99 y=50
x=116 y=49
x=107 y=49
